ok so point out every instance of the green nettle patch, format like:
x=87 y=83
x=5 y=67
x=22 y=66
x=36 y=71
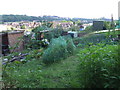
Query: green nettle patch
x=59 y=48
x=23 y=75
x=99 y=66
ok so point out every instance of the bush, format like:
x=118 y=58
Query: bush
x=58 y=49
x=54 y=33
x=70 y=45
x=89 y=28
x=99 y=67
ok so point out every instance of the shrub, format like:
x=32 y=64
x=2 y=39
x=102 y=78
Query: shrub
x=54 y=33
x=89 y=28
x=58 y=49
x=70 y=45
x=99 y=67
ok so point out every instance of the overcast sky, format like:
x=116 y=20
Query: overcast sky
x=63 y=8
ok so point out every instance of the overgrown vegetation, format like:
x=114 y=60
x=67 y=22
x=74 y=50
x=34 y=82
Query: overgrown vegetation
x=92 y=62
x=59 y=48
x=99 y=66
x=53 y=33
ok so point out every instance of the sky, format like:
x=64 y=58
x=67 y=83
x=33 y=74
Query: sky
x=62 y=8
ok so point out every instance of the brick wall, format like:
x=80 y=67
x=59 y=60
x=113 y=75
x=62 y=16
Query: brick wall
x=14 y=38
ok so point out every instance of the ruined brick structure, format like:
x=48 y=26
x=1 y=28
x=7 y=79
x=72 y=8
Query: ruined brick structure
x=14 y=38
x=11 y=39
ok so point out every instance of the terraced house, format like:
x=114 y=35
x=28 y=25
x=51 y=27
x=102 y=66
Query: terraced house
x=65 y=25
x=23 y=25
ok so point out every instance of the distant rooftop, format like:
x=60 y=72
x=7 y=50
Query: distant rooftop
x=3 y=27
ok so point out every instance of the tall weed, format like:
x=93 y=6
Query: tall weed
x=99 y=67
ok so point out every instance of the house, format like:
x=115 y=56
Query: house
x=25 y=24
x=64 y=25
x=86 y=25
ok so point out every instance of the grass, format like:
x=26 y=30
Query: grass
x=35 y=74
x=23 y=75
x=61 y=75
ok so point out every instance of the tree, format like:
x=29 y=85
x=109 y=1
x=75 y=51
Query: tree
x=74 y=28
x=22 y=27
x=90 y=28
x=47 y=24
x=106 y=25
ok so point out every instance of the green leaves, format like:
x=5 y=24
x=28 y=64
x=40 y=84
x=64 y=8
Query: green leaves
x=98 y=64
x=58 y=49
x=26 y=75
